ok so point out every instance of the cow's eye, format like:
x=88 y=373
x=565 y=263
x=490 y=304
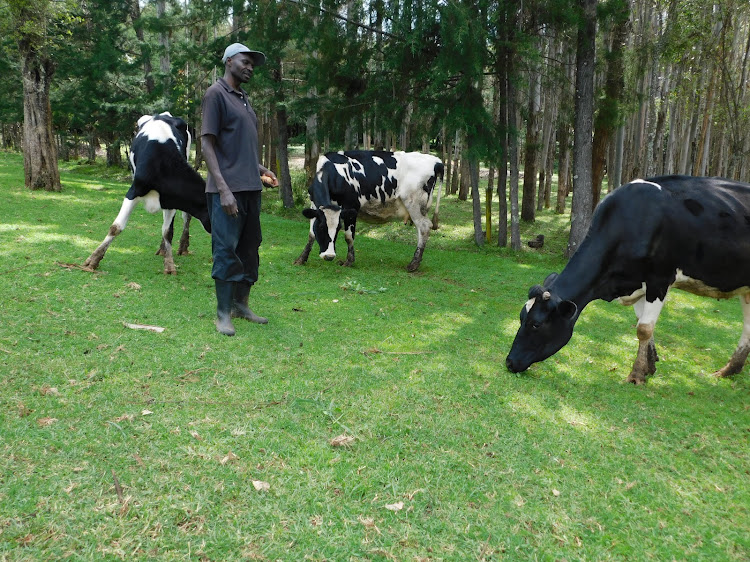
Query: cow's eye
x=535 y=325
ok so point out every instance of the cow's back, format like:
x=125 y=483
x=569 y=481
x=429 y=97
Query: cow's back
x=650 y=228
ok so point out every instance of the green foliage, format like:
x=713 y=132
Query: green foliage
x=131 y=444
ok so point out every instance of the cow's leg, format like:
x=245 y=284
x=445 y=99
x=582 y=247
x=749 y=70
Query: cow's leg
x=424 y=225
x=737 y=361
x=185 y=238
x=646 y=358
x=92 y=262
x=162 y=251
x=166 y=231
x=349 y=236
x=302 y=259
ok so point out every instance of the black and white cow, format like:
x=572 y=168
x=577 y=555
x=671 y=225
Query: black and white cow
x=376 y=186
x=645 y=238
x=163 y=180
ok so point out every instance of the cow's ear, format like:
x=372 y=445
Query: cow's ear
x=550 y=278
x=536 y=291
x=310 y=213
x=567 y=309
x=348 y=214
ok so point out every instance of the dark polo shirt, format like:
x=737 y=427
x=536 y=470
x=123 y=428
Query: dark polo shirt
x=227 y=115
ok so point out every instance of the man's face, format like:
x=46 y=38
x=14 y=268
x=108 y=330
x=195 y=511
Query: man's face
x=241 y=66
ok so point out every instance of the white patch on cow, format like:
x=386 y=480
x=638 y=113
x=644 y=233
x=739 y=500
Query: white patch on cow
x=343 y=171
x=630 y=300
x=378 y=160
x=121 y=220
x=698 y=287
x=648 y=312
x=144 y=119
x=158 y=131
x=656 y=185
x=151 y=201
x=687 y=284
x=529 y=304
x=332 y=223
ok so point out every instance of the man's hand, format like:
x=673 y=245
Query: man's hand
x=269 y=179
x=228 y=203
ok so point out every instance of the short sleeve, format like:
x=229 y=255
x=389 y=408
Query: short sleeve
x=211 y=113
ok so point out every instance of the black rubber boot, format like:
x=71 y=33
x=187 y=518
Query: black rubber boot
x=224 y=307
x=239 y=306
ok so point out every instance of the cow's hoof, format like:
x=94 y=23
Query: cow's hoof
x=637 y=379
x=412 y=267
x=168 y=271
x=346 y=263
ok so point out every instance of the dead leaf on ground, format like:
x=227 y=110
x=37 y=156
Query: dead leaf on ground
x=555 y=492
x=372 y=351
x=157 y=329
x=398 y=506
x=125 y=417
x=229 y=457
x=43 y=422
x=342 y=441
x=261 y=486
x=133 y=285
x=196 y=436
x=369 y=523
x=49 y=391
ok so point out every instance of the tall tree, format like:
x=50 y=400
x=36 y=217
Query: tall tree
x=609 y=113
x=33 y=21
x=581 y=207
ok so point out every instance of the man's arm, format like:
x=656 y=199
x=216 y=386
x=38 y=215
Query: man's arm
x=228 y=202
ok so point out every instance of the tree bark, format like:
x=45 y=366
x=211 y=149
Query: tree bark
x=581 y=207
x=39 y=147
x=282 y=151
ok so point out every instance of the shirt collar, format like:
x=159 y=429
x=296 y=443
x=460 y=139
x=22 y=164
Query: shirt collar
x=228 y=88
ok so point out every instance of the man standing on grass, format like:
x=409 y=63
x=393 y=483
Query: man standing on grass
x=229 y=136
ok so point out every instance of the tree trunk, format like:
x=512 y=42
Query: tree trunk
x=608 y=116
x=528 y=213
x=563 y=172
x=282 y=151
x=581 y=207
x=465 y=179
x=476 y=201
x=514 y=121
x=135 y=16
x=39 y=147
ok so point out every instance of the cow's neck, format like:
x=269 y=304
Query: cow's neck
x=579 y=280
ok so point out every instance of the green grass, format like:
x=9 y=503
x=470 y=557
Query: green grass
x=565 y=461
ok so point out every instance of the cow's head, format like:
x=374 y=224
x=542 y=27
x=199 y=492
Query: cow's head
x=325 y=223
x=546 y=326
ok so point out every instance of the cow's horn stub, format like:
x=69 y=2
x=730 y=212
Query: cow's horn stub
x=546 y=296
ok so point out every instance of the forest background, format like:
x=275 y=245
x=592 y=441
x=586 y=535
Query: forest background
x=598 y=92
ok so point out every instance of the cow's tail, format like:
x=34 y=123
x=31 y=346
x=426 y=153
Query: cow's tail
x=439 y=170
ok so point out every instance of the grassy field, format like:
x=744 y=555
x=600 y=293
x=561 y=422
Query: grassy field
x=371 y=419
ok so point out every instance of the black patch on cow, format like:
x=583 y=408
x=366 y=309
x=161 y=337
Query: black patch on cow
x=693 y=206
x=163 y=167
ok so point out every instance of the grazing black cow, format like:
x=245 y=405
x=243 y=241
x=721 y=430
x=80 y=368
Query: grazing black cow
x=646 y=237
x=376 y=186
x=164 y=180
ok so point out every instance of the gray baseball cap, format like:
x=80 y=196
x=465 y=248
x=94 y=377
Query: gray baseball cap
x=236 y=48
